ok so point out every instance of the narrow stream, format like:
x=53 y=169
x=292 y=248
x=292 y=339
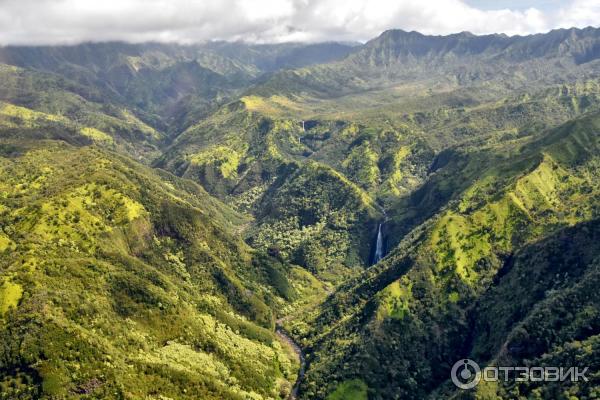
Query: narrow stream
x=298 y=350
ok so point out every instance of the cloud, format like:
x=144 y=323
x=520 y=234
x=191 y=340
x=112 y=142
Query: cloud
x=580 y=13
x=191 y=21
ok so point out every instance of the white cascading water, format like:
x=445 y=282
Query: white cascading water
x=378 y=247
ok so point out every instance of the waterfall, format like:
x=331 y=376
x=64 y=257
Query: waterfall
x=379 y=252
x=378 y=246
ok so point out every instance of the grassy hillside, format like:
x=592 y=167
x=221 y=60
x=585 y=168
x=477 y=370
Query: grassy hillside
x=118 y=282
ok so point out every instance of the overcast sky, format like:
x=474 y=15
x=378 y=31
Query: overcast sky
x=267 y=21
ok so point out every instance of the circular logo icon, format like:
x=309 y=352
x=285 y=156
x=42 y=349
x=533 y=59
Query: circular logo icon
x=466 y=374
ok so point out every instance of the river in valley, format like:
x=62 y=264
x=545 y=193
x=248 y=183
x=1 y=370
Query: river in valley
x=299 y=353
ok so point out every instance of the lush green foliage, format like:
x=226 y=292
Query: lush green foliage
x=121 y=283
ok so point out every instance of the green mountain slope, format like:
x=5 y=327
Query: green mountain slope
x=43 y=105
x=120 y=282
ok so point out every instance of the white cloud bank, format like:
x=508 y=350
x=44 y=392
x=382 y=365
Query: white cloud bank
x=190 y=21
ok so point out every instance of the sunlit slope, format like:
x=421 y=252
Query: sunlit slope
x=41 y=105
x=120 y=282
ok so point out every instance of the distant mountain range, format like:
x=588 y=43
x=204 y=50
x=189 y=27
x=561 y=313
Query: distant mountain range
x=397 y=57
